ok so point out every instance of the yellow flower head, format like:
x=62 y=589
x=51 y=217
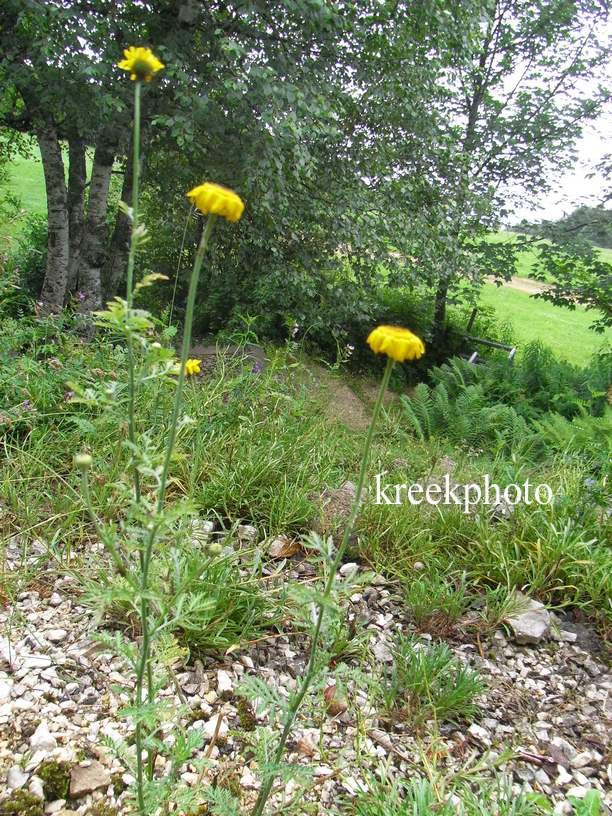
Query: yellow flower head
x=218 y=200
x=193 y=367
x=141 y=63
x=397 y=343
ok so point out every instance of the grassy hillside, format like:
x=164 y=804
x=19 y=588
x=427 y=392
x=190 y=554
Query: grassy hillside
x=566 y=332
x=27 y=184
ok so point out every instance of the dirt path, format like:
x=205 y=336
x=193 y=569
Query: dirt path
x=527 y=285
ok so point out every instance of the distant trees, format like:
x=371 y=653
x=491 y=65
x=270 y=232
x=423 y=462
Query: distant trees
x=591 y=224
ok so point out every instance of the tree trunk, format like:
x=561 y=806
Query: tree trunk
x=120 y=242
x=439 y=317
x=93 y=247
x=58 y=247
x=77 y=181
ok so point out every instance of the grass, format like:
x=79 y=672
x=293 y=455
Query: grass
x=26 y=183
x=428 y=683
x=261 y=447
x=566 y=331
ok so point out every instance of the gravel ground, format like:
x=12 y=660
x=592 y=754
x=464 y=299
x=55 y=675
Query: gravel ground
x=549 y=703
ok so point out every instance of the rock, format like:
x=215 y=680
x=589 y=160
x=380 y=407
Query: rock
x=582 y=759
x=283 y=547
x=16 y=778
x=8 y=656
x=248 y=780
x=334 y=508
x=55 y=807
x=532 y=624
x=225 y=684
x=36 y=662
x=88 y=777
x=382 y=652
x=479 y=733
x=56 y=635
x=578 y=791
x=36 y=787
x=501 y=510
x=563 y=777
x=42 y=740
x=307 y=744
x=348 y=570
x=247 y=533
x=5 y=690
x=210 y=727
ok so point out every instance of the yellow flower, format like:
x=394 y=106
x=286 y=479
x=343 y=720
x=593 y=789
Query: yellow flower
x=141 y=63
x=193 y=367
x=218 y=200
x=397 y=343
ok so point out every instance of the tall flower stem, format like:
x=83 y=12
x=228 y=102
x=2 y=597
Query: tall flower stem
x=296 y=701
x=130 y=284
x=144 y=669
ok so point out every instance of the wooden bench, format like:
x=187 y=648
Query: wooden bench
x=473 y=357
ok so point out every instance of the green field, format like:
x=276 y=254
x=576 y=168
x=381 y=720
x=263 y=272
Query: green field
x=27 y=184
x=565 y=331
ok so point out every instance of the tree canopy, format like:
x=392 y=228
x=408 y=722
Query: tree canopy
x=363 y=136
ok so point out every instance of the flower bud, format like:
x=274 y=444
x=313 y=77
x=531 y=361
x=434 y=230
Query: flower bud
x=215 y=549
x=82 y=461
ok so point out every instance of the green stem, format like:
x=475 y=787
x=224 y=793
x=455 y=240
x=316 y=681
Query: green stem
x=296 y=702
x=130 y=286
x=144 y=669
x=178 y=266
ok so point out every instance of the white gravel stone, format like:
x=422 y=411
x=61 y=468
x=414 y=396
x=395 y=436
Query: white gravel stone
x=41 y=739
x=16 y=778
x=54 y=807
x=209 y=728
x=56 y=635
x=36 y=787
x=225 y=684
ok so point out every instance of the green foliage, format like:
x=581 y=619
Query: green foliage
x=584 y=437
x=469 y=419
x=590 y=805
x=557 y=552
x=435 y=603
x=28 y=256
x=422 y=797
x=211 y=607
x=56 y=779
x=538 y=382
x=428 y=683
x=22 y=803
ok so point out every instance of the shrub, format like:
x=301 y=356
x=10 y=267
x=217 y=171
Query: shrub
x=28 y=258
